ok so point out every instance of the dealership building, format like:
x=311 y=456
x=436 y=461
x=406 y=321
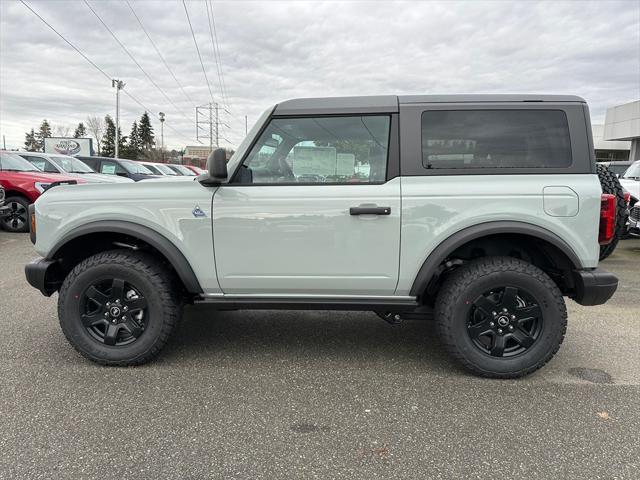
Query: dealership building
x=196 y=155
x=619 y=137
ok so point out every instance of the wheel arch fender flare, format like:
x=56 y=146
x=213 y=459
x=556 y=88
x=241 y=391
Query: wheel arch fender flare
x=446 y=247
x=157 y=240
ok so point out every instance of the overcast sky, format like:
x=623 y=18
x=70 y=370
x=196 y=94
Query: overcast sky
x=271 y=51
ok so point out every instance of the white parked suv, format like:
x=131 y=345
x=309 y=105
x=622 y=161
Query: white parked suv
x=482 y=211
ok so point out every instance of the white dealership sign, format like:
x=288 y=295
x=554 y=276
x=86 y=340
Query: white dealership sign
x=69 y=146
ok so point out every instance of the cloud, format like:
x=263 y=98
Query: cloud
x=272 y=51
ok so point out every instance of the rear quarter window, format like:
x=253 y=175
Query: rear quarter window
x=495 y=139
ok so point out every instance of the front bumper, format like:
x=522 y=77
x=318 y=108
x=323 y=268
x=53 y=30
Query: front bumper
x=43 y=275
x=594 y=287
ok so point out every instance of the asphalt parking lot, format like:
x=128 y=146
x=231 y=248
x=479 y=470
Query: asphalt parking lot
x=314 y=395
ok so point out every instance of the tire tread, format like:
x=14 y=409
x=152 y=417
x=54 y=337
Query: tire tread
x=461 y=279
x=157 y=274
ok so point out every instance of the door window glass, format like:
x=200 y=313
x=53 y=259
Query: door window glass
x=347 y=150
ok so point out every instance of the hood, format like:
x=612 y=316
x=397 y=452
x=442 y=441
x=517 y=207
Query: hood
x=631 y=186
x=100 y=178
x=40 y=177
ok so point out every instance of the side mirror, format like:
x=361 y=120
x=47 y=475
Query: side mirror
x=217 y=164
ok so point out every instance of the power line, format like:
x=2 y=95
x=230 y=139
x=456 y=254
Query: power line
x=215 y=35
x=158 y=52
x=109 y=77
x=197 y=49
x=134 y=60
x=215 y=54
x=66 y=41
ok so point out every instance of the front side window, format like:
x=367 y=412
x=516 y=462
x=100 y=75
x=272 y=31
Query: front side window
x=459 y=139
x=351 y=149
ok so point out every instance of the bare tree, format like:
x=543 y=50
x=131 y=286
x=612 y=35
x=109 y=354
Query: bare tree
x=62 y=131
x=96 y=127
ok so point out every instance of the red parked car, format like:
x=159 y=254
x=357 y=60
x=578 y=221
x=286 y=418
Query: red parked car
x=194 y=169
x=23 y=184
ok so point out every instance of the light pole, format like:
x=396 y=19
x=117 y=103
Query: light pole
x=119 y=85
x=161 y=116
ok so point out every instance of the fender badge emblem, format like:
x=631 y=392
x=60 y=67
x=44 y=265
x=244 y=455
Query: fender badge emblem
x=197 y=212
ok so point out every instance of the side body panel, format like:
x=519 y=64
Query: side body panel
x=164 y=206
x=289 y=239
x=435 y=207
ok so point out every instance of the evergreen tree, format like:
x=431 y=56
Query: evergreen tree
x=80 y=131
x=109 y=139
x=43 y=132
x=134 y=141
x=145 y=132
x=30 y=142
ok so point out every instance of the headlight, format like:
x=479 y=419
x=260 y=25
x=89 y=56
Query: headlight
x=41 y=187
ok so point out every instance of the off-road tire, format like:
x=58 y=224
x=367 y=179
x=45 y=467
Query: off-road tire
x=23 y=205
x=151 y=277
x=611 y=184
x=455 y=301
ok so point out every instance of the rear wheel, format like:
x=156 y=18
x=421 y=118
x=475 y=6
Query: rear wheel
x=18 y=218
x=501 y=317
x=611 y=184
x=118 y=307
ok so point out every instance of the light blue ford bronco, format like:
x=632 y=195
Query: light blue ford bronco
x=479 y=211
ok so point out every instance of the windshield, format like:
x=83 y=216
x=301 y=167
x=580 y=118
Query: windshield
x=70 y=164
x=633 y=171
x=14 y=163
x=135 y=167
x=164 y=169
x=184 y=170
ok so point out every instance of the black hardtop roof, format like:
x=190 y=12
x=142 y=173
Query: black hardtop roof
x=390 y=103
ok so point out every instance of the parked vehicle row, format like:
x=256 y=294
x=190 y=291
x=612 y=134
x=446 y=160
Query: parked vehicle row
x=71 y=166
x=23 y=184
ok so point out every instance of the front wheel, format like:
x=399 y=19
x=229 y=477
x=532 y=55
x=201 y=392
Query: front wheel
x=501 y=317
x=118 y=307
x=17 y=220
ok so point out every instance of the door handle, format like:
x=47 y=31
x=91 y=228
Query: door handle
x=373 y=210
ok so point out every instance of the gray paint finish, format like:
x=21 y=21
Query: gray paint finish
x=489 y=97
x=338 y=105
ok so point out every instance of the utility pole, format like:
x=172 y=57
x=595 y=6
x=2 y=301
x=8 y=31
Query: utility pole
x=217 y=127
x=210 y=127
x=161 y=116
x=119 y=85
x=208 y=124
x=245 y=126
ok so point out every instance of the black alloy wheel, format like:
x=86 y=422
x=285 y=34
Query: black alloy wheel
x=18 y=216
x=114 y=312
x=505 y=322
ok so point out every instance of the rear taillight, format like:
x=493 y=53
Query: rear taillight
x=607 y=218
